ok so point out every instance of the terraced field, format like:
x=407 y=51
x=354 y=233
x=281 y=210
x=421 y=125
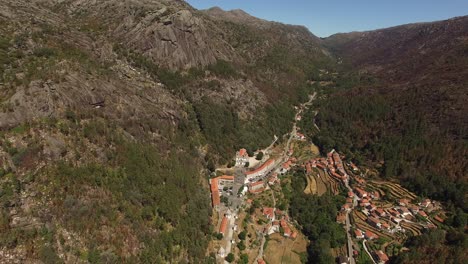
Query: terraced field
x=360 y=222
x=331 y=183
x=321 y=185
x=395 y=190
x=311 y=187
x=415 y=229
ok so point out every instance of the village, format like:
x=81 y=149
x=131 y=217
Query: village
x=252 y=223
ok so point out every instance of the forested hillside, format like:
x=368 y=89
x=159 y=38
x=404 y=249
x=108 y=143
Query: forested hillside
x=400 y=106
x=114 y=112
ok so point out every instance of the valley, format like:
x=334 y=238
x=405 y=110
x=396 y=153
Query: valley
x=148 y=131
x=253 y=217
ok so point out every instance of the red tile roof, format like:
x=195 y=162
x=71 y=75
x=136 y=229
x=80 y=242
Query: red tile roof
x=371 y=235
x=381 y=256
x=264 y=166
x=380 y=211
x=215 y=199
x=242 y=152
x=294 y=235
x=286 y=165
x=358 y=233
x=269 y=212
x=223 y=226
x=361 y=192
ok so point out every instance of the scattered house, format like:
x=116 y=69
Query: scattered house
x=299 y=118
x=404 y=211
x=438 y=219
x=381 y=257
x=242 y=157
x=269 y=212
x=364 y=202
x=413 y=208
x=338 y=176
x=286 y=228
x=276 y=223
x=380 y=212
x=374 y=222
x=260 y=171
x=285 y=166
x=350 y=194
x=385 y=225
x=354 y=167
x=257 y=187
x=294 y=235
x=371 y=207
x=359 y=180
x=358 y=233
x=425 y=203
x=308 y=168
x=373 y=214
x=403 y=202
x=394 y=212
x=370 y=235
x=279 y=213
x=349 y=200
x=273 y=179
x=422 y=213
x=261 y=261
x=300 y=136
x=375 y=195
x=223 y=226
x=361 y=193
x=346 y=207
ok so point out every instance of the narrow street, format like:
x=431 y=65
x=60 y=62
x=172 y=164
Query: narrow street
x=348 y=225
x=284 y=158
x=367 y=251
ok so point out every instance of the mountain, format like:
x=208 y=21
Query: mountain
x=406 y=104
x=428 y=59
x=112 y=111
x=114 y=114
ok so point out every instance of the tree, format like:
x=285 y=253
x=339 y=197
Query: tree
x=244 y=259
x=247 y=164
x=229 y=258
x=250 y=152
x=242 y=235
x=219 y=236
x=259 y=156
x=241 y=246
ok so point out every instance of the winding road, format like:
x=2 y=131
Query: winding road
x=284 y=158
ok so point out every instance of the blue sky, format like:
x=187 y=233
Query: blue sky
x=324 y=18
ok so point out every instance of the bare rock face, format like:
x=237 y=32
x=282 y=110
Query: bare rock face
x=171 y=33
x=178 y=40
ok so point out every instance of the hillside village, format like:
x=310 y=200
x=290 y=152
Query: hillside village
x=378 y=216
